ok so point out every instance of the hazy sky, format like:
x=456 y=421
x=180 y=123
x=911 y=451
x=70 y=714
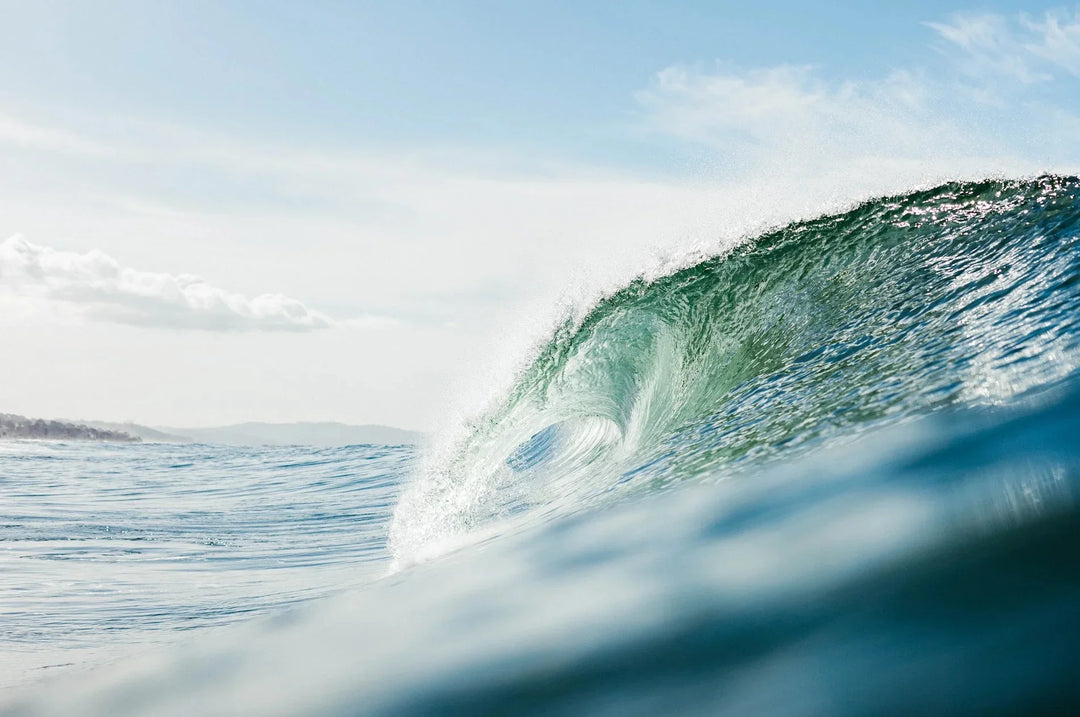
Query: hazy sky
x=360 y=211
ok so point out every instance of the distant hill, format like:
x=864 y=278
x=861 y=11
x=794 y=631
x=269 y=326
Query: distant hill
x=15 y=426
x=151 y=435
x=306 y=434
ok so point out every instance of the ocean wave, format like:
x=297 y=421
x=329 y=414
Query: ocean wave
x=964 y=294
x=830 y=471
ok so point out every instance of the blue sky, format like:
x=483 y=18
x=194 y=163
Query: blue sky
x=390 y=199
x=547 y=76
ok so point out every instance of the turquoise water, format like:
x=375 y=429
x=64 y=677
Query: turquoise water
x=832 y=471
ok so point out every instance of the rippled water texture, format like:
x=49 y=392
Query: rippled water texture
x=107 y=546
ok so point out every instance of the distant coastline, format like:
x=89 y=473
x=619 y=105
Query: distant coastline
x=14 y=426
x=326 y=434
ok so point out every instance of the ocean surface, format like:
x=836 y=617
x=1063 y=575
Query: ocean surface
x=108 y=548
x=831 y=471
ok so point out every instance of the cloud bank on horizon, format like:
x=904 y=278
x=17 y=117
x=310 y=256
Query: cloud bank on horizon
x=101 y=288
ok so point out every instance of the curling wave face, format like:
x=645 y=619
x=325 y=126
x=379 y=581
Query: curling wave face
x=965 y=294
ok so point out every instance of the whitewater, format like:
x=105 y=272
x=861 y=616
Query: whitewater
x=832 y=469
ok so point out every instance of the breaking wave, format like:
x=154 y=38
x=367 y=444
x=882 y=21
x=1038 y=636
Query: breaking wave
x=815 y=333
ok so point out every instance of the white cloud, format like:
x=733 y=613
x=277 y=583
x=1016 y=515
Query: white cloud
x=99 y=287
x=990 y=47
x=788 y=125
x=1056 y=39
x=998 y=102
x=1029 y=50
x=788 y=112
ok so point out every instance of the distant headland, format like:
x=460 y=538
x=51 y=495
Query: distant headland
x=13 y=426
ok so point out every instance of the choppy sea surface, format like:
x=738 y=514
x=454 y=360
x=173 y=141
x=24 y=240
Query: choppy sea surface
x=832 y=471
